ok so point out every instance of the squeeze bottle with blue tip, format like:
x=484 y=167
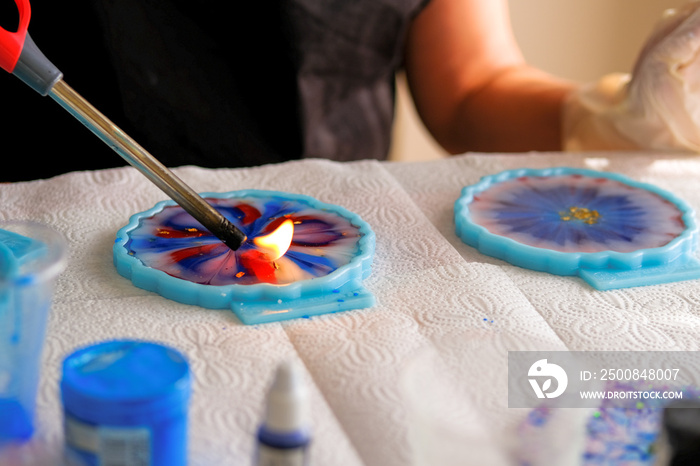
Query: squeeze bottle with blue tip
x=284 y=436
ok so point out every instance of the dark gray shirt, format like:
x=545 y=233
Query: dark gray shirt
x=219 y=84
x=348 y=53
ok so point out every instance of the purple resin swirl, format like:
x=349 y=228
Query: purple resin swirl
x=174 y=242
x=575 y=213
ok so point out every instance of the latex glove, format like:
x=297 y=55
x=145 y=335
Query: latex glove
x=656 y=107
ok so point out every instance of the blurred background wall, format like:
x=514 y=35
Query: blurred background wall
x=576 y=39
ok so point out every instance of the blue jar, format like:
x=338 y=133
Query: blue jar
x=125 y=404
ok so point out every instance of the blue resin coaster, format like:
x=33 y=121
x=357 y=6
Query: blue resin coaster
x=609 y=230
x=165 y=250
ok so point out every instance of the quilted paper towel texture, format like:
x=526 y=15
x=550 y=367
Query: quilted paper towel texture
x=664 y=317
x=354 y=360
x=430 y=288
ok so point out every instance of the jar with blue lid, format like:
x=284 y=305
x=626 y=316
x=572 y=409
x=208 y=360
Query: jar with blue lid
x=125 y=403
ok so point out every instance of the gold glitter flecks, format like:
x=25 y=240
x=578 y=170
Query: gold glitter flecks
x=162 y=232
x=191 y=230
x=240 y=274
x=582 y=214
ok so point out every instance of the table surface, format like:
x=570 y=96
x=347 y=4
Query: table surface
x=433 y=292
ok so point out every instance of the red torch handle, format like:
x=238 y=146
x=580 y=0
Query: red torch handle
x=12 y=43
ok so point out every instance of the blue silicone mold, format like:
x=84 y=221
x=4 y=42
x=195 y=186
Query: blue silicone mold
x=606 y=228
x=339 y=290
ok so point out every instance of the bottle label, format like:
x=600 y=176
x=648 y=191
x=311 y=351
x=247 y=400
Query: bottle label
x=270 y=456
x=110 y=446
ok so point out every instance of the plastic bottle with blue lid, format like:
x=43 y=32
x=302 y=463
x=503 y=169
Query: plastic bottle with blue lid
x=125 y=404
x=284 y=436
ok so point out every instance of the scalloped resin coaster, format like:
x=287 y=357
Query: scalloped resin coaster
x=165 y=250
x=606 y=228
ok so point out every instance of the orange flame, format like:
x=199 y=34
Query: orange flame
x=276 y=243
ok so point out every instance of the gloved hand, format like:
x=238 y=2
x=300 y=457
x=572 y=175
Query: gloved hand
x=656 y=107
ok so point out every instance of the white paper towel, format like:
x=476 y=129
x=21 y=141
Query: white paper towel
x=665 y=317
x=430 y=288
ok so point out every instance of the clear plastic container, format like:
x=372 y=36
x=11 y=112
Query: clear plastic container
x=32 y=255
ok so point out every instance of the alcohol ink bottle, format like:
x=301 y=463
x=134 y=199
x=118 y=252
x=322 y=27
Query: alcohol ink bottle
x=284 y=436
x=125 y=404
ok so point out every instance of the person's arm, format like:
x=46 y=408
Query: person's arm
x=471 y=85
